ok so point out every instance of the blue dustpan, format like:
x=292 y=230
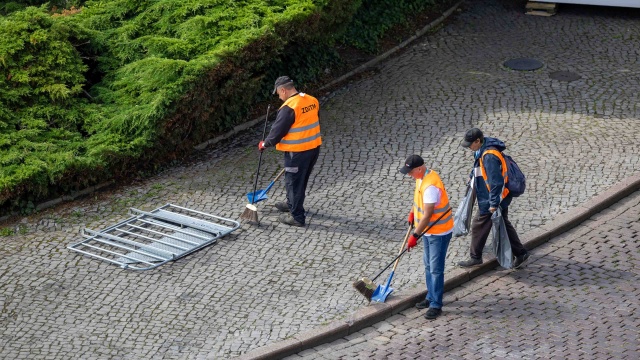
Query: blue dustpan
x=261 y=195
x=382 y=291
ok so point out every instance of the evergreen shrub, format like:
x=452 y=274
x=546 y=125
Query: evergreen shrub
x=91 y=89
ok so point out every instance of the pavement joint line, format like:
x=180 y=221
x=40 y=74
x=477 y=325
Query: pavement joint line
x=67 y=197
x=375 y=312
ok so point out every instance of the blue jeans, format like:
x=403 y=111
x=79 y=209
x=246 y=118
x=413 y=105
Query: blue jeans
x=435 y=251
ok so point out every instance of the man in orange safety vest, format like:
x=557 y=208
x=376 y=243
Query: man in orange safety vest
x=431 y=213
x=295 y=132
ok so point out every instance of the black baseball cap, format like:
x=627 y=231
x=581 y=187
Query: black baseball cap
x=411 y=163
x=470 y=136
x=282 y=80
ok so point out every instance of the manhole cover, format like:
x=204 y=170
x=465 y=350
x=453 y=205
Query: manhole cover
x=523 y=64
x=564 y=76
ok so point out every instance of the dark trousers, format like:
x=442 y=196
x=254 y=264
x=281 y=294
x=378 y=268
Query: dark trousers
x=480 y=229
x=298 y=167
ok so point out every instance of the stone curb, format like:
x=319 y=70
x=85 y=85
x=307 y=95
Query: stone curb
x=400 y=46
x=375 y=312
x=72 y=196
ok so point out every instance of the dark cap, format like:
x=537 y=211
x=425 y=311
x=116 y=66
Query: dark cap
x=411 y=163
x=470 y=136
x=282 y=80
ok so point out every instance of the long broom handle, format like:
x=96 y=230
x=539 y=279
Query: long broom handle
x=264 y=133
x=274 y=181
x=255 y=184
x=266 y=118
x=405 y=250
x=279 y=174
x=404 y=242
x=391 y=263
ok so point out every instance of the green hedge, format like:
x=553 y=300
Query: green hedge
x=87 y=95
x=41 y=107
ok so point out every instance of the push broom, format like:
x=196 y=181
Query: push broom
x=366 y=286
x=250 y=213
x=379 y=293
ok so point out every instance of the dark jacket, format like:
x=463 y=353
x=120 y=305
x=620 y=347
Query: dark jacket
x=493 y=167
x=284 y=121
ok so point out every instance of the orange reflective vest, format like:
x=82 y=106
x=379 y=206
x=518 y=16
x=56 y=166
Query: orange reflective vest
x=305 y=131
x=431 y=178
x=497 y=153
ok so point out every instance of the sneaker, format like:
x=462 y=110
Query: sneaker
x=422 y=304
x=470 y=262
x=282 y=206
x=289 y=220
x=432 y=313
x=520 y=260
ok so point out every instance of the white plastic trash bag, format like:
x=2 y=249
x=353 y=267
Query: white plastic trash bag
x=462 y=217
x=501 y=244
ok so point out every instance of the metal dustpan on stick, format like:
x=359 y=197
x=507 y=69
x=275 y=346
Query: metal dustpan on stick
x=382 y=291
x=260 y=195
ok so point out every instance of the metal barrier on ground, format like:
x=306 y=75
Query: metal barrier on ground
x=149 y=239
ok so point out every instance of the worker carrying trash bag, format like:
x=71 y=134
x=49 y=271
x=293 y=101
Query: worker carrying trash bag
x=500 y=241
x=431 y=208
x=462 y=217
x=489 y=181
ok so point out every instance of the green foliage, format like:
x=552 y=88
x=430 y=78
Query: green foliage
x=7 y=7
x=41 y=108
x=89 y=92
x=375 y=17
x=7 y=232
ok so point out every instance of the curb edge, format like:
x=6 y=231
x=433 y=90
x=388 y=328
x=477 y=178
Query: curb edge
x=372 y=314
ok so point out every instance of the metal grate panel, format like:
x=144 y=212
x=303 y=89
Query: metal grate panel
x=149 y=239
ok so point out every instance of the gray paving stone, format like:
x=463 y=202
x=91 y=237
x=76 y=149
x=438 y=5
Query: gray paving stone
x=571 y=322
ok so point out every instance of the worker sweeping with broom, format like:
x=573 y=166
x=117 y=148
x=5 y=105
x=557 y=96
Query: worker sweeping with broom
x=430 y=212
x=295 y=132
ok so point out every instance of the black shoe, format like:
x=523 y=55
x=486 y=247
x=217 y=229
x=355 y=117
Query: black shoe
x=422 y=304
x=289 y=220
x=282 y=206
x=520 y=260
x=470 y=262
x=432 y=313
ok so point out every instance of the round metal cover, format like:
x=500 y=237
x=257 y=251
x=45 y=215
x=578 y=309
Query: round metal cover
x=564 y=76
x=523 y=64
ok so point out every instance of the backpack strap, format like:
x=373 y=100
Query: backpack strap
x=497 y=153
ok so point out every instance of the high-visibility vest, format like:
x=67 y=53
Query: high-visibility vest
x=497 y=153
x=431 y=178
x=305 y=131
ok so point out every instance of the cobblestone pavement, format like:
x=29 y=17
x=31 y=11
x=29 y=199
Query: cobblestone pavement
x=577 y=298
x=264 y=283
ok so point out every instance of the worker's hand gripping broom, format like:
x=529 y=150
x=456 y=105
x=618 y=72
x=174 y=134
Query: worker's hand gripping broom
x=251 y=211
